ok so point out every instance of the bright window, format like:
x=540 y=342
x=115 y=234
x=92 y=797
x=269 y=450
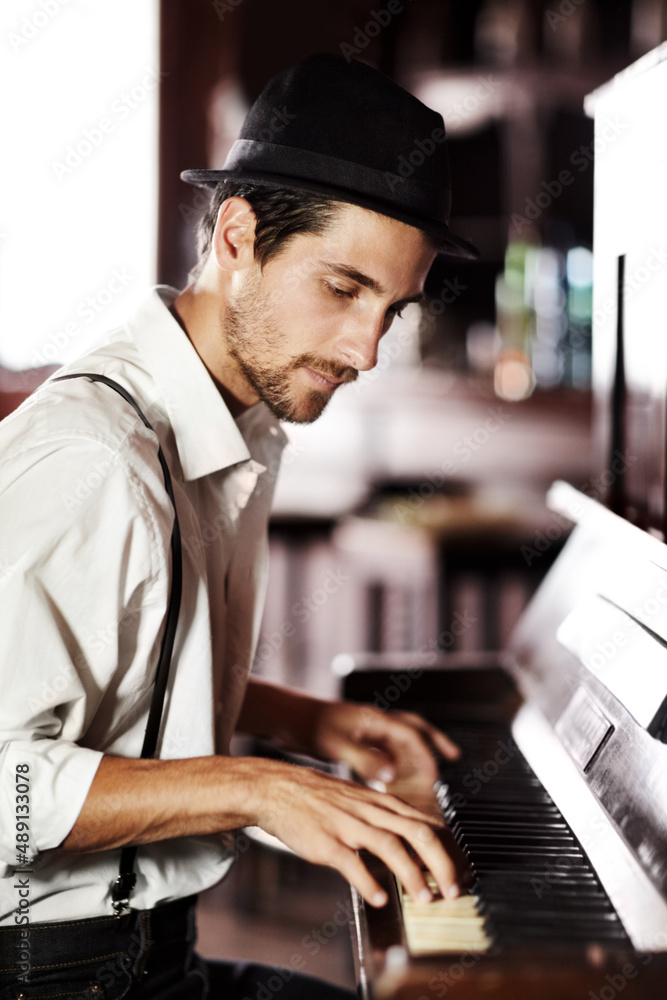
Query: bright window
x=78 y=172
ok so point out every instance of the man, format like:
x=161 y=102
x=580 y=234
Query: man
x=315 y=240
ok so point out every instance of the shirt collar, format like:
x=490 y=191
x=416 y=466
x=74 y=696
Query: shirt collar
x=207 y=436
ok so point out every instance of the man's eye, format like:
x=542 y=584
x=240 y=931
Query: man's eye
x=395 y=311
x=341 y=292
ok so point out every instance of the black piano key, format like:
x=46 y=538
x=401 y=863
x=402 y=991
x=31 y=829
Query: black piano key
x=532 y=877
x=538 y=871
x=521 y=820
x=500 y=888
x=530 y=836
x=553 y=908
x=569 y=908
x=565 y=934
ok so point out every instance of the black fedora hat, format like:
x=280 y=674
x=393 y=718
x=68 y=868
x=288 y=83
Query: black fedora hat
x=342 y=129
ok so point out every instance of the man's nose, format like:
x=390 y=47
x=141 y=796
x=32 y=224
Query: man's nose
x=358 y=346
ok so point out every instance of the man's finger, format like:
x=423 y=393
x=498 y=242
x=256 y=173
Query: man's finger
x=390 y=849
x=443 y=743
x=390 y=804
x=410 y=739
x=424 y=840
x=409 y=745
x=352 y=868
x=369 y=762
x=440 y=740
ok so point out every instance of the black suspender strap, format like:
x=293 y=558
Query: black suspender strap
x=123 y=885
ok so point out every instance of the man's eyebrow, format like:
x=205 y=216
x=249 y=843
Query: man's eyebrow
x=345 y=271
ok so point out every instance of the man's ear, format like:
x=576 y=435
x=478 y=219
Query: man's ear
x=234 y=235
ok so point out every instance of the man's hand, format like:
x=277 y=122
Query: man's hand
x=378 y=745
x=327 y=820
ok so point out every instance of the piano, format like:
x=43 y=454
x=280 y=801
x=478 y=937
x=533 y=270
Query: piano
x=557 y=808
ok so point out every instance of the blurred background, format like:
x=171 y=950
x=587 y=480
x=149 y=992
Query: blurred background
x=412 y=515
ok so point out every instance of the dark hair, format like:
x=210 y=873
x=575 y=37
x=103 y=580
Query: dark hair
x=281 y=213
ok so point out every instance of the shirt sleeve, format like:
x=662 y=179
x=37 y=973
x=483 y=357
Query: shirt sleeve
x=83 y=543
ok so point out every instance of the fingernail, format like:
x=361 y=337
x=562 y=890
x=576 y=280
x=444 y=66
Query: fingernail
x=452 y=892
x=379 y=899
x=386 y=774
x=425 y=896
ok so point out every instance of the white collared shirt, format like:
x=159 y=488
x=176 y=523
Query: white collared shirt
x=84 y=585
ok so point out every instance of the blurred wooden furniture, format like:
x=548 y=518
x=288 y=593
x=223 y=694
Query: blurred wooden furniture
x=445 y=573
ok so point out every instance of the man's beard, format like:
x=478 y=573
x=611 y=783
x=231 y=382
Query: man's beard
x=246 y=325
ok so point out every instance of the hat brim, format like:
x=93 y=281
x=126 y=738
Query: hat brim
x=449 y=244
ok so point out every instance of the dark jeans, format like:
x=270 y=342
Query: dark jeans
x=145 y=955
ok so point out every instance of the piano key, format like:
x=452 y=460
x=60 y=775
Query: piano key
x=490 y=836
x=532 y=878
x=444 y=925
